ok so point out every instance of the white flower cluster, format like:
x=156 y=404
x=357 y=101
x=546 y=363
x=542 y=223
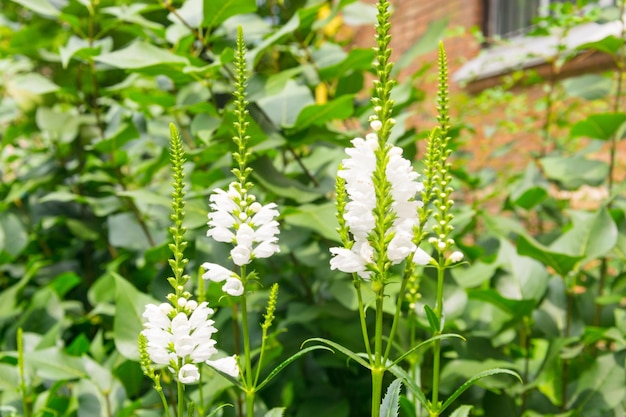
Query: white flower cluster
x=239 y=219
x=357 y=172
x=183 y=339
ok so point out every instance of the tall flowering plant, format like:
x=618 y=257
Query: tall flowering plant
x=238 y=219
x=178 y=334
x=385 y=213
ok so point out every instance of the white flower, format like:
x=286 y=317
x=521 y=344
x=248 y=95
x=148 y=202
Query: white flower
x=238 y=219
x=227 y=365
x=182 y=340
x=216 y=272
x=456 y=256
x=233 y=287
x=421 y=257
x=357 y=172
x=189 y=374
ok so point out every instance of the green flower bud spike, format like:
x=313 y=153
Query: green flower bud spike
x=178 y=262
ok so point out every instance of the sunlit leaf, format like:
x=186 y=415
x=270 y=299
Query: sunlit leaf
x=574 y=171
x=140 y=54
x=42 y=7
x=215 y=12
x=601 y=126
x=562 y=263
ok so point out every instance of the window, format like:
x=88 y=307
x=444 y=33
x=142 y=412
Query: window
x=511 y=18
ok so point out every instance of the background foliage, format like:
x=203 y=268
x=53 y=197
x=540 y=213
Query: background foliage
x=89 y=89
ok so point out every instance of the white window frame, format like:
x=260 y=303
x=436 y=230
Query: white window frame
x=526 y=51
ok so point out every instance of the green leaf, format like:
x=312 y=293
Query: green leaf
x=350 y=354
x=593 y=234
x=560 y=262
x=34 y=83
x=127 y=324
x=126 y=232
x=357 y=60
x=319 y=218
x=42 y=7
x=462 y=411
x=391 y=402
x=528 y=279
x=424 y=344
x=284 y=108
x=588 y=86
x=140 y=54
x=601 y=126
x=600 y=388
x=13 y=235
x=433 y=320
x=318 y=114
x=609 y=45
x=574 y=171
x=268 y=177
x=289 y=360
x=276 y=412
x=516 y=308
x=53 y=364
x=76 y=46
x=215 y=12
x=530 y=190
x=61 y=126
x=411 y=385
x=472 y=381
x=426 y=43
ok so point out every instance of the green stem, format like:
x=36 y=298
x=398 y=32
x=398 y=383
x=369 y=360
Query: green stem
x=359 y=296
x=260 y=362
x=181 y=398
x=396 y=316
x=249 y=377
x=378 y=369
x=437 y=344
x=20 y=365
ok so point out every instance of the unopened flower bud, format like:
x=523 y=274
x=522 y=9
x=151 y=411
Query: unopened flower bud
x=456 y=256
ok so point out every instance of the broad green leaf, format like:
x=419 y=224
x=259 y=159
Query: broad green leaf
x=131 y=13
x=610 y=45
x=284 y=108
x=302 y=18
x=530 y=190
x=588 y=86
x=475 y=274
x=271 y=179
x=42 y=7
x=391 y=402
x=319 y=218
x=34 y=83
x=13 y=234
x=593 y=234
x=140 y=54
x=357 y=60
x=601 y=126
x=516 y=308
x=126 y=232
x=426 y=43
x=359 y=13
x=528 y=279
x=215 y=12
x=472 y=381
x=82 y=47
x=318 y=114
x=127 y=324
x=59 y=125
x=574 y=171
x=53 y=364
x=562 y=263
